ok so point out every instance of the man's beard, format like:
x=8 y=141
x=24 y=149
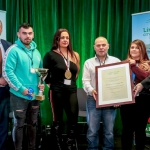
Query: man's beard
x=26 y=43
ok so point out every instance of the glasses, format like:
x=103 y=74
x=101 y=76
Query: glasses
x=100 y=45
x=63 y=37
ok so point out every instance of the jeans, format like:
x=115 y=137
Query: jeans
x=24 y=111
x=94 y=117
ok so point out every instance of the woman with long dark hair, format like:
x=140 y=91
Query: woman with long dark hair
x=63 y=64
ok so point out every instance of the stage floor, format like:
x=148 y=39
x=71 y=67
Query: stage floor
x=82 y=144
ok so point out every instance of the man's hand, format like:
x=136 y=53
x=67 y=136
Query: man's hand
x=138 y=88
x=94 y=93
x=3 y=81
x=25 y=92
x=41 y=87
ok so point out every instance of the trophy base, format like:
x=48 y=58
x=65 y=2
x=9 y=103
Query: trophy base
x=40 y=97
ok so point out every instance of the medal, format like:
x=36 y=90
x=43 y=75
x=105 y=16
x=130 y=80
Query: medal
x=68 y=74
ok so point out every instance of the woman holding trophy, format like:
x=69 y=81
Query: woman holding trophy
x=63 y=64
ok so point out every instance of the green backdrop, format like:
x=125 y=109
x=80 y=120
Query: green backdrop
x=85 y=19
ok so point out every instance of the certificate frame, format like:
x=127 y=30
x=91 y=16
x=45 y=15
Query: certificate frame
x=114 y=84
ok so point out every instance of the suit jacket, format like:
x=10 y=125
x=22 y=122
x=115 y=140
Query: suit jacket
x=4 y=91
x=146 y=83
x=5 y=44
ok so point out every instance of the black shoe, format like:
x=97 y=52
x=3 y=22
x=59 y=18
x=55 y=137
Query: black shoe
x=71 y=144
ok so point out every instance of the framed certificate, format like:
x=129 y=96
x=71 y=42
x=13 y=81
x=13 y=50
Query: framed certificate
x=114 y=85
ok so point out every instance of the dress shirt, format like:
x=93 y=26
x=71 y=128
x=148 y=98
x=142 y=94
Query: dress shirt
x=88 y=77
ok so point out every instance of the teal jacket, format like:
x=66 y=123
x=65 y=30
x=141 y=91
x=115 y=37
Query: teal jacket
x=17 y=65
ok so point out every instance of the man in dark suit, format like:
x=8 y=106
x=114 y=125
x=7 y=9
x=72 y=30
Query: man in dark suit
x=4 y=95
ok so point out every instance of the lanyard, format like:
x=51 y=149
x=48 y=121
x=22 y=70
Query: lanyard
x=67 y=62
x=30 y=57
x=102 y=63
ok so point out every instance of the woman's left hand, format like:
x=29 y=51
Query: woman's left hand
x=41 y=87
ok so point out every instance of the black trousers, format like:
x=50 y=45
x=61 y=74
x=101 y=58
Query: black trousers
x=24 y=111
x=134 y=119
x=64 y=101
x=4 y=115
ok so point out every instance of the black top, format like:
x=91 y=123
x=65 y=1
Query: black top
x=56 y=73
x=4 y=91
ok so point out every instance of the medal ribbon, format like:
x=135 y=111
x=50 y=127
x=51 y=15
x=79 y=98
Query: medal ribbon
x=67 y=62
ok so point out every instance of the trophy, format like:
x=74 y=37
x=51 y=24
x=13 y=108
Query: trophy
x=42 y=74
